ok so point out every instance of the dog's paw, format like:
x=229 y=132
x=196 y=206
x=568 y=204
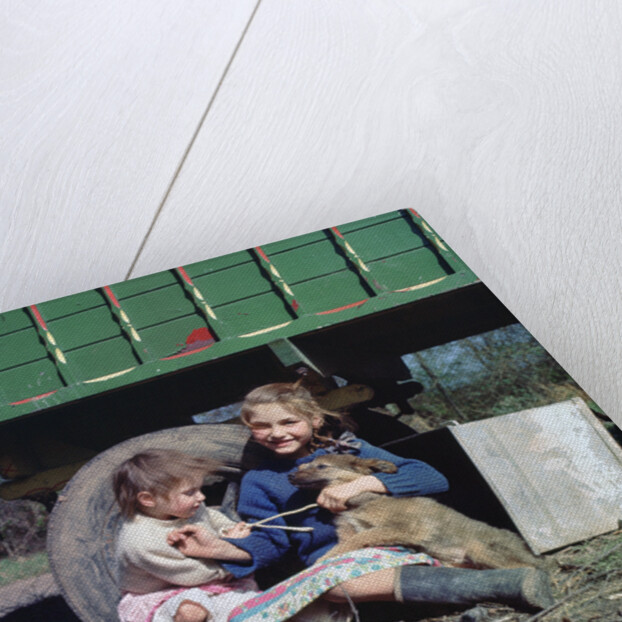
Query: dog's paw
x=381 y=466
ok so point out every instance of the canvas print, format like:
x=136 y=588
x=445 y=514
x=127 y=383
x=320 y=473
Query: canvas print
x=344 y=425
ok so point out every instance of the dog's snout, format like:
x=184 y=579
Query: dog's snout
x=292 y=476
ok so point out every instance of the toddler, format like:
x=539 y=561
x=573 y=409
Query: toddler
x=158 y=491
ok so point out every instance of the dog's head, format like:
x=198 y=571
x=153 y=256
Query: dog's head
x=334 y=469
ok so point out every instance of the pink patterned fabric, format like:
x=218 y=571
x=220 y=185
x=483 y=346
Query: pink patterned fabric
x=142 y=607
x=285 y=599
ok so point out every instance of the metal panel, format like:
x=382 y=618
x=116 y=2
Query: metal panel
x=555 y=469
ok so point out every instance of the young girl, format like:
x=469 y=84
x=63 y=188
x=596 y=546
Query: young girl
x=285 y=419
x=158 y=491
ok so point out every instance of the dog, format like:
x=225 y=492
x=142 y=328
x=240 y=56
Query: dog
x=419 y=523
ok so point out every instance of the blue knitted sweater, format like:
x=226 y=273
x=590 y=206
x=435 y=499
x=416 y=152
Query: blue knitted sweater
x=266 y=491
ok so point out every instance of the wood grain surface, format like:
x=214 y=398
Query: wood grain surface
x=500 y=122
x=98 y=105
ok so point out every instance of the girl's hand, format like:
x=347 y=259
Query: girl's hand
x=335 y=498
x=239 y=530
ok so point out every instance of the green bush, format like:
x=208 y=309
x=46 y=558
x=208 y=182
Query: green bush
x=15 y=568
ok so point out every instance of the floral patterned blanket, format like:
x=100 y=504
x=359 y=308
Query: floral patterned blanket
x=290 y=596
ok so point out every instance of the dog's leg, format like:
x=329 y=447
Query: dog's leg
x=501 y=553
x=453 y=555
x=377 y=536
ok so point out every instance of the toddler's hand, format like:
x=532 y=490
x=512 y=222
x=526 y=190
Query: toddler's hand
x=239 y=530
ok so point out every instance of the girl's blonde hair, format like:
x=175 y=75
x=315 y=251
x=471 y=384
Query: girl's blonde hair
x=156 y=471
x=298 y=400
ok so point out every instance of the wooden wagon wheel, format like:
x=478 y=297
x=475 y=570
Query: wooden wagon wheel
x=83 y=524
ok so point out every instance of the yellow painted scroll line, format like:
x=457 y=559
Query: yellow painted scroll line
x=109 y=376
x=420 y=286
x=266 y=330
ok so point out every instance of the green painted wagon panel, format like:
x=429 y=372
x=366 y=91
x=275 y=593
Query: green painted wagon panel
x=168 y=338
x=102 y=359
x=218 y=263
x=20 y=347
x=158 y=306
x=12 y=321
x=253 y=314
x=80 y=329
x=309 y=262
x=163 y=319
x=330 y=292
x=231 y=284
x=371 y=242
x=297 y=242
x=372 y=221
x=143 y=284
x=69 y=305
x=409 y=269
x=30 y=380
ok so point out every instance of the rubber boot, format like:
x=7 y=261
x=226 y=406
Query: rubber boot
x=526 y=589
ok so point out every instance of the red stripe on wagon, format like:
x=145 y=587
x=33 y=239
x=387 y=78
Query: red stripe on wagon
x=263 y=255
x=185 y=276
x=176 y=356
x=37 y=315
x=350 y=306
x=112 y=297
x=32 y=399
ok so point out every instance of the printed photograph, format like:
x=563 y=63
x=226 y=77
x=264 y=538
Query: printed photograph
x=345 y=425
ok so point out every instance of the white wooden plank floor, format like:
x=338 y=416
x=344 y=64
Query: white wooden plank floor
x=99 y=102
x=138 y=137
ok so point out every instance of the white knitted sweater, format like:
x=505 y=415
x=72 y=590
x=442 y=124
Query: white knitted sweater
x=148 y=564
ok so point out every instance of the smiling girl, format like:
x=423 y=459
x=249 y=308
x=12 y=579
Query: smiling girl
x=285 y=419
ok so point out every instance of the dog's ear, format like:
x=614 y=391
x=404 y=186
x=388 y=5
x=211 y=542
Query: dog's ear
x=382 y=466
